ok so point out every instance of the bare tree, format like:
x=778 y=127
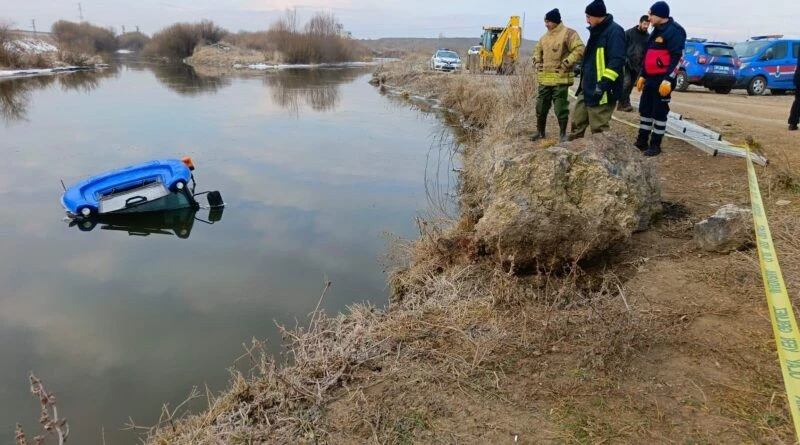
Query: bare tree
x=323 y=24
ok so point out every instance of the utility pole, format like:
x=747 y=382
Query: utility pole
x=33 y=25
x=123 y=29
x=80 y=11
x=137 y=28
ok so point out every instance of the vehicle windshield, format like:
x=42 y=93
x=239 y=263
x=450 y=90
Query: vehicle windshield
x=720 y=51
x=447 y=55
x=750 y=49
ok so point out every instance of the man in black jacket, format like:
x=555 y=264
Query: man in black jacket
x=794 y=115
x=601 y=73
x=657 y=78
x=635 y=46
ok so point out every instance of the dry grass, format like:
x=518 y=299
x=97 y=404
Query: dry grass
x=222 y=55
x=50 y=422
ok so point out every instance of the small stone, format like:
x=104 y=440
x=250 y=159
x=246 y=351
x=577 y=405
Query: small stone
x=783 y=202
x=728 y=230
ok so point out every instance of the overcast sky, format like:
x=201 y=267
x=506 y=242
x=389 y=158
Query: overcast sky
x=715 y=19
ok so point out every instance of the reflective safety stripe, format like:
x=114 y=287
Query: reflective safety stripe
x=611 y=74
x=600 y=65
x=645 y=119
x=659 y=127
x=551 y=78
x=600 y=62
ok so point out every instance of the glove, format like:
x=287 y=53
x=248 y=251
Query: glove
x=639 y=84
x=665 y=88
x=602 y=87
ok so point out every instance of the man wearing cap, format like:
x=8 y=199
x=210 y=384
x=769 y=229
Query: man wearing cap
x=601 y=72
x=635 y=46
x=555 y=56
x=657 y=78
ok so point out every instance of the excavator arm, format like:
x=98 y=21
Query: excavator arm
x=500 y=46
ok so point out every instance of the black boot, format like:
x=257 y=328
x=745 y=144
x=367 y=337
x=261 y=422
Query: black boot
x=562 y=131
x=540 y=126
x=653 y=150
x=792 y=127
x=642 y=140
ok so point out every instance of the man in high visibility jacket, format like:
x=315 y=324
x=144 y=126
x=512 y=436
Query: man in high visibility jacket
x=658 y=78
x=601 y=73
x=555 y=56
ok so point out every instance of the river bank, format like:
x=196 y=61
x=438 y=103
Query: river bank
x=655 y=340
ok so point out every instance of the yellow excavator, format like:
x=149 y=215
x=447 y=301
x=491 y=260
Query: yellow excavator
x=499 y=48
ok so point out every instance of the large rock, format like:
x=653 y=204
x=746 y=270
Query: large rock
x=728 y=230
x=569 y=202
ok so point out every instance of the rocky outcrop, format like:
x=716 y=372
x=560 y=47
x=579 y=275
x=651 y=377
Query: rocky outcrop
x=569 y=202
x=728 y=230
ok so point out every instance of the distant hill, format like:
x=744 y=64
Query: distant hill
x=398 y=46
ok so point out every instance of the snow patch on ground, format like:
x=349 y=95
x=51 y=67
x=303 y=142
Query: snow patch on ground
x=30 y=46
x=281 y=66
x=8 y=74
x=125 y=51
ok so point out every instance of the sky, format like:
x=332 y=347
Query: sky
x=728 y=20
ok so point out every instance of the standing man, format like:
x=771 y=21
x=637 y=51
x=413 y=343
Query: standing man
x=657 y=79
x=601 y=72
x=794 y=115
x=635 y=46
x=555 y=56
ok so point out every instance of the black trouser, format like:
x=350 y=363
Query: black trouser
x=653 y=111
x=794 y=115
x=629 y=81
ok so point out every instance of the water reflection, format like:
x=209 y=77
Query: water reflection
x=15 y=94
x=290 y=89
x=318 y=88
x=177 y=222
x=183 y=79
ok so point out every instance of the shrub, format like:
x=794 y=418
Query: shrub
x=134 y=41
x=322 y=41
x=178 y=41
x=7 y=58
x=84 y=37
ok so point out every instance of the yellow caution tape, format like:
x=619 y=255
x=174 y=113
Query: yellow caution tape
x=784 y=326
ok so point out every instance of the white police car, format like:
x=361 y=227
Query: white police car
x=445 y=60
